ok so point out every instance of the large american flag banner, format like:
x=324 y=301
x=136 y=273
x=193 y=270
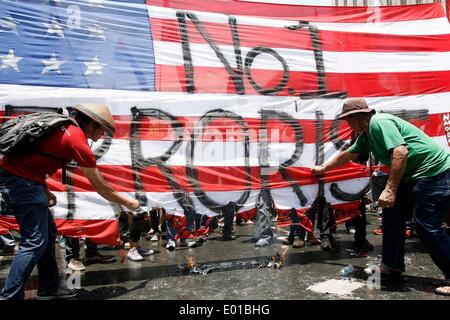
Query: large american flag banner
x=220 y=99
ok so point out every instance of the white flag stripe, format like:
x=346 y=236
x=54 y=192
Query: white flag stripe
x=414 y=27
x=171 y=53
x=247 y=106
x=91 y=206
x=218 y=154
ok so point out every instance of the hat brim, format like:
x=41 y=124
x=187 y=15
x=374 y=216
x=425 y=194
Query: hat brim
x=346 y=114
x=95 y=117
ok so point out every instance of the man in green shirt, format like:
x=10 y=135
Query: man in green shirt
x=419 y=172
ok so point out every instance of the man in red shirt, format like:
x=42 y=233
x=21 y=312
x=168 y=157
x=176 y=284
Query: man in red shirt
x=23 y=186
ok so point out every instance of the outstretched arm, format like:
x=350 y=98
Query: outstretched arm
x=341 y=158
x=106 y=191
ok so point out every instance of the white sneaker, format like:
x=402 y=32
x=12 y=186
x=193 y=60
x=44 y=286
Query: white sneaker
x=262 y=242
x=76 y=265
x=189 y=242
x=145 y=252
x=154 y=238
x=133 y=254
x=170 y=245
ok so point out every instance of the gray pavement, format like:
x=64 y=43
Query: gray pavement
x=237 y=272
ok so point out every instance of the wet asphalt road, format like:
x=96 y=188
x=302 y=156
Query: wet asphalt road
x=237 y=272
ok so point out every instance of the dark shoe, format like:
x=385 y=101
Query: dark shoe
x=60 y=293
x=240 y=221
x=100 y=258
x=387 y=279
x=312 y=240
x=363 y=245
x=9 y=251
x=386 y=275
x=201 y=239
x=289 y=240
x=228 y=237
x=390 y=275
x=391 y=279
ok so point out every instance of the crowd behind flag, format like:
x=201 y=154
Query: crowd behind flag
x=220 y=98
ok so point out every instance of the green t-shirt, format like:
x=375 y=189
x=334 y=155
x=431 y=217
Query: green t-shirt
x=426 y=158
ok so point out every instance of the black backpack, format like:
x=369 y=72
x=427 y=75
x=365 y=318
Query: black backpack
x=19 y=135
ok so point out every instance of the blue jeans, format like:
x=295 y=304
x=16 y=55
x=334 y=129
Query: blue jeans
x=429 y=199
x=190 y=215
x=171 y=232
x=28 y=201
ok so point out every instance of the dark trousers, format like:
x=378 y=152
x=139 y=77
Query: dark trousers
x=189 y=215
x=324 y=213
x=130 y=232
x=296 y=230
x=29 y=203
x=73 y=248
x=326 y=228
x=430 y=198
x=228 y=216
x=360 y=223
x=153 y=223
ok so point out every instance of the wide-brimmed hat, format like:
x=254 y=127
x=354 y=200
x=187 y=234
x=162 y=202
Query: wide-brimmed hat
x=99 y=113
x=352 y=106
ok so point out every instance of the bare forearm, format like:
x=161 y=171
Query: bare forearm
x=398 y=165
x=106 y=191
x=340 y=159
x=399 y=158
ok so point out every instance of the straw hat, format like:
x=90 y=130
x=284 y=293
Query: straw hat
x=98 y=113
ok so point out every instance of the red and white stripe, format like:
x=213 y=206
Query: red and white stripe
x=297 y=11
x=396 y=57
x=366 y=51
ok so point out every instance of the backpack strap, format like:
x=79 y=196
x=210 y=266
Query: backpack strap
x=64 y=179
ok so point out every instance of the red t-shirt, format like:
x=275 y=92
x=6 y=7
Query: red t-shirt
x=65 y=143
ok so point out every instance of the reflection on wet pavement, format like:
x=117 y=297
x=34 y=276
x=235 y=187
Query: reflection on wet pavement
x=237 y=270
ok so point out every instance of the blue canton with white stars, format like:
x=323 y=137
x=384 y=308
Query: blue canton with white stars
x=82 y=44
